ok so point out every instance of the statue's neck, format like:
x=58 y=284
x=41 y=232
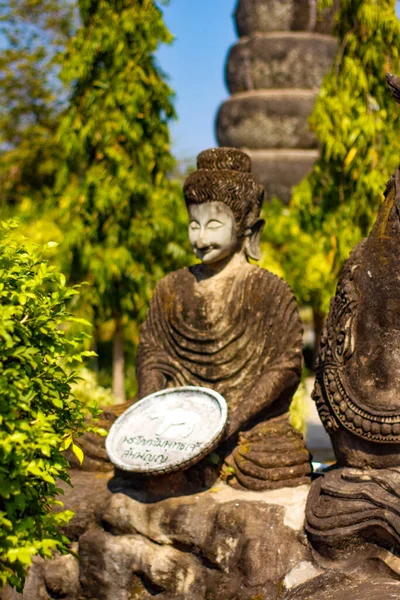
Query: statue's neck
x=224 y=267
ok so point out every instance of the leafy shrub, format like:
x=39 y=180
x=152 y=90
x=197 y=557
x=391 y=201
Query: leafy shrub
x=39 y=417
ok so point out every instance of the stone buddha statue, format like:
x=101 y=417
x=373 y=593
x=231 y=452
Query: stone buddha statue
x=231 y=326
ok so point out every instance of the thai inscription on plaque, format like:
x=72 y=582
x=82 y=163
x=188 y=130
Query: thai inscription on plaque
x=167 y=431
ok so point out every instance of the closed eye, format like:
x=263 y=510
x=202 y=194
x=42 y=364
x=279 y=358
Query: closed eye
x=194 y=225
x=214 y=224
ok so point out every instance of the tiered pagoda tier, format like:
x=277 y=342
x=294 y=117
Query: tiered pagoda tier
x=274 y=73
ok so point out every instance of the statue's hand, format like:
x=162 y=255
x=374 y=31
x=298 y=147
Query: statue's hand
x=233 y=425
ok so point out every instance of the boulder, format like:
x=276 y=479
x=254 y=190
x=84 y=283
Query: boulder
x=219 y=544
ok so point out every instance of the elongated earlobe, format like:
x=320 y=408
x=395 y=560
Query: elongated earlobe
x=252 y=240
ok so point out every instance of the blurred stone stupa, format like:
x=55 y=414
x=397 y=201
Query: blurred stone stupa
x=274 y=73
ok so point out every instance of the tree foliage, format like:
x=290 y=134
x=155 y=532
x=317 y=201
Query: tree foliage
x=356 y=123
x=39 y=417
x=119 y=211
x=32 y=32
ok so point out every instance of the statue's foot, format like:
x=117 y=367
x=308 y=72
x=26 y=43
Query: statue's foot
x=269 y=456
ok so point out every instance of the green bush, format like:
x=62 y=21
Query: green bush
x=39 y=417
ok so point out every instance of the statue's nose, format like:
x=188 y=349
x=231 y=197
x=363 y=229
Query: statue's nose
x=202 y=242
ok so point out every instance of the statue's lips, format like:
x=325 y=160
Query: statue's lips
x=204 y=253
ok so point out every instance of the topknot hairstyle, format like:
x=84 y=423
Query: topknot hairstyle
x=224 y=175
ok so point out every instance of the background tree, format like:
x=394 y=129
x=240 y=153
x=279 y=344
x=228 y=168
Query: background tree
x=32 y=33
x=357 y=125
x=120 y=213
x=39 y=415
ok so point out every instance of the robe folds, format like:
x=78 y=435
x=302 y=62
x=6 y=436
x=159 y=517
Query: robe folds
x=240 y=335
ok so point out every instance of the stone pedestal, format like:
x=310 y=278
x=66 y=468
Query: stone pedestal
x=219 y=544
x=274 y=73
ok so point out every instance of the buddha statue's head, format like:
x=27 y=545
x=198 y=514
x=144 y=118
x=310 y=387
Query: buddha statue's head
x=224 y=204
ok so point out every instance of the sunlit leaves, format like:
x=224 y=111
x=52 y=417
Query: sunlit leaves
x=121 y=215
x=32 y=32
x=39 y=414
x=357 y=125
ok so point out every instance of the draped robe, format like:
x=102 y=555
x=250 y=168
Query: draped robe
x=239 y=334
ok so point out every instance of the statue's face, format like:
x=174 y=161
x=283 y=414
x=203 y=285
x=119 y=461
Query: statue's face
x=212 y=231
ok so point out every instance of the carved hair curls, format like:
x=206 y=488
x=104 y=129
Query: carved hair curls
x=223 y=175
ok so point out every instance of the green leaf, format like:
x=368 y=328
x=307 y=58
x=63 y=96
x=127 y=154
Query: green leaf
x=66 y=443
x=78 y=453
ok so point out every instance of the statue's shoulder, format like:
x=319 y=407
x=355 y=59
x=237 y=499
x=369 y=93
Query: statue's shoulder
x=269 y=281
x=174 y=280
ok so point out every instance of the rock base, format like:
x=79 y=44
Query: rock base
x=219 y=544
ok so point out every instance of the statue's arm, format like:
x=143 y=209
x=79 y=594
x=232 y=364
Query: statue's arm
x=151 y=357
x=150 y=381
x=149 y=372
x=276 y=385
x=280 y=377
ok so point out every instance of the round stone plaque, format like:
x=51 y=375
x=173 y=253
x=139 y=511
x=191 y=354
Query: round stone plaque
x=167 y=431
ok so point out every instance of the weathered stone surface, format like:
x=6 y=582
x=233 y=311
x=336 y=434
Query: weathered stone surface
x=281 y=15
x=270 y=452
x=279 y=170
x=131 y=565
x=8 y=593
x=272 y=15
x=267 y=119
x=221 y=544
x=86 y=495
x=354 y=582
x=279 y=60
x=353 y=510
x=303 y=572
x=356 y=389
x=53 y=580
